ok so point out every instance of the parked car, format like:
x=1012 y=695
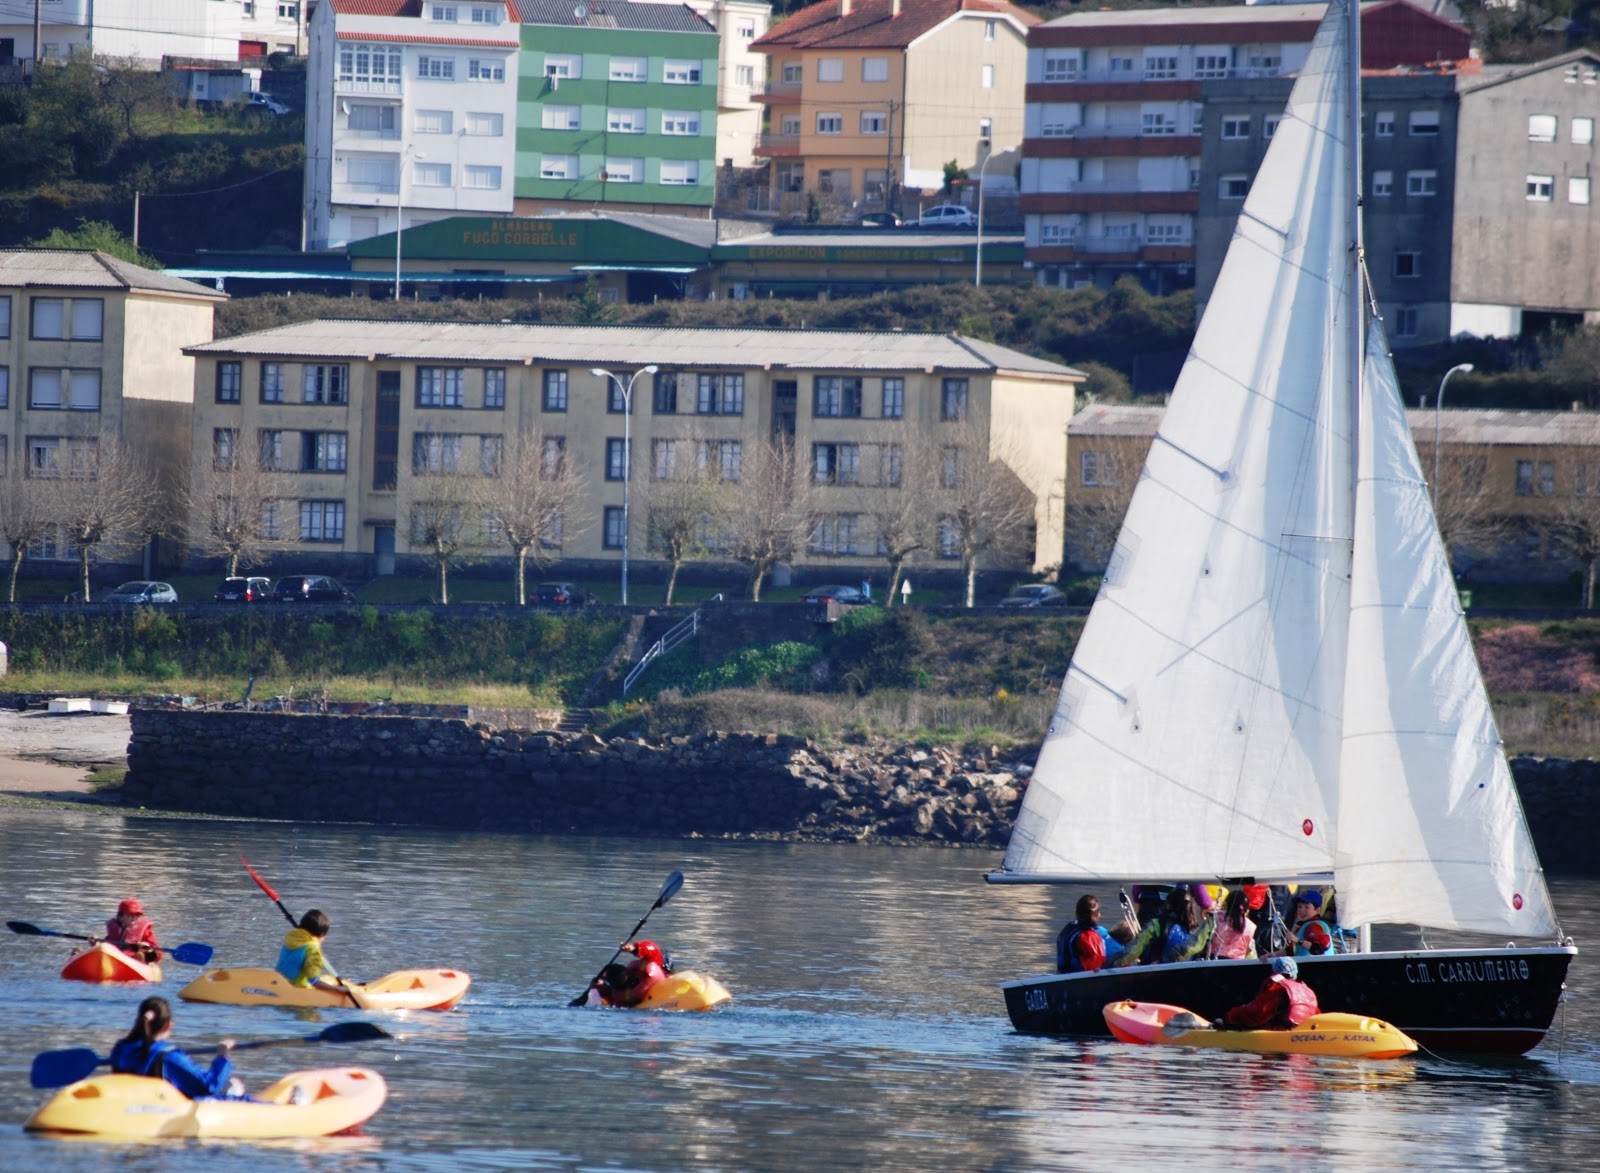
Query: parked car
x=244 y=589
x=141 y=592
x=881 y=220
x=1038 y=595
x=835 y=594
x=560 y=594
x=311 y=588
x=265 y=103
x=947 y=216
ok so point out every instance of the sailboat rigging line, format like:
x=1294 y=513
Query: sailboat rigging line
x=1220 y=473
x=1097 y=682
x=1281 y=233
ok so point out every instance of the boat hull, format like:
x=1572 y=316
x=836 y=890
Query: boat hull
x=1483 y=1000
x=118 y=1107
x=107 y=963
x=688 y=990
x=406 y=989
x=1346 y=1036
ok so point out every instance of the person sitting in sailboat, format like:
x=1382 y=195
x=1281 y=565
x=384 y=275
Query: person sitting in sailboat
x=1084 y=945
x=1309 y=934
x=1179 y=933
x=1235 y=935
x=1282 y=1003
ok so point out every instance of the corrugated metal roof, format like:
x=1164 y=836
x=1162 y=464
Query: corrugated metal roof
x=661 y=18
x=675 y=347
x=53 y=268
x=1186 y=16
x=1472 y=425
x=865 y=238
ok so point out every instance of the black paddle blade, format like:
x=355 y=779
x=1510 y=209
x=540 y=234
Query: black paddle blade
x=354 y=1032
x=191 y=953
x=59 y=1068
x=670 y=888
x=27 y=930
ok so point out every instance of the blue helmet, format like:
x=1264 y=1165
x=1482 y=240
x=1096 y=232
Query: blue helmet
x=1286 y=967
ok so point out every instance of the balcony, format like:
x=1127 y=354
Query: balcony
x=1106 y=197
x=778 y=146
x=389 y=87
x=778 y=95
x=1102 y=248
x=1082 y=144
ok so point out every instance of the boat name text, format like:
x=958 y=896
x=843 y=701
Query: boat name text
x=1421 y=973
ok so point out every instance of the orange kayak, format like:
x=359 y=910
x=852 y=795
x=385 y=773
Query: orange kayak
x=107 y=963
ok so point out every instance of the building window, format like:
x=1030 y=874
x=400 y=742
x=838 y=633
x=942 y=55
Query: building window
x=436 y=68
x=51 y=457
x=430 y=174
x=793 y=73
x=1383 y=124
x=953 y=470
x=443 y=12
x=229 y=377
x=482 y=125
x=625 y=121
x=484 y=14
x=681 y=73
x=1156 y=122
x=680 y=122
x=270 y=444
x=1269 y=126
x=1542 y=128
x=835 y=397
x=628 y=69
x=494 y=388
x=441 y=386
x=836 y=464
x=432 y=122
x=1233 y=187
x=480 y=177
x=664 y=458
x=616 y=530
x=5 y=388
x=894 y=398
x=322 y=521
x=1210 y=66
x=988 y=29
x=616 y=460
x=1061 y=68
x=623 y=171
x=553 y=457
x=558 y=167
x=747 y=30
x=555 y=390
x=272 y=382
x=1581 y=133
x=367 y=120
x=482 y=69
x=986 y=77
x=830 y=123
x=5 y=316
x=76 y=319
x=560 y=118
x=1578 y=190
x=1408 y=264
x=1424 y=122
x=563 y=65
x=836 y=535
x=74 y=390
x=889 y=465
x=874 y=69
x=720 y=395
x=949 y=538
x=1536 y=478
x=224 y=447
x=325 y=383
x=1541 y=188
x=724 y=457
x=953 y=405
x=322 y=452
x=375 y=65
x=1405 y=322
x=1422 y=183
x=680 y=172
x=789 y=125
x=1097 y=469
x=1236 y=126
x=874 y=122
x=1383 y=183
x=666 y=393
x=830 y=69
x=435 y=453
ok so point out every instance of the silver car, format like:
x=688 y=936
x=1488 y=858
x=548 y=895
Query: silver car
x=141 y=592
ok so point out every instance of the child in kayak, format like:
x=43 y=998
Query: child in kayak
x=628 y=985
x=132 y=932
x=146 y=1051
x=301 y=960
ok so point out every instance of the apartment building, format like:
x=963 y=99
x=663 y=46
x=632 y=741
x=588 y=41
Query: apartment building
x=1506 y=482
x=359 y=418
x=142 y=31
x=272 y=26
x=618 y=106
x=1120 y=106
x=91 y=353
x=865 y=98
x=411 y=115
x=739 y=24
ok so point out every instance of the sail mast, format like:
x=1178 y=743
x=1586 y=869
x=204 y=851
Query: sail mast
x=1355 y=292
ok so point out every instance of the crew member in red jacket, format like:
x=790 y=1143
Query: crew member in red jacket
x=1282 y=1003
x=133 y=932
x=629 y=985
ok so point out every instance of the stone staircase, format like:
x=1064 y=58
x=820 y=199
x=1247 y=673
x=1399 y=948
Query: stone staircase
x=575 y=720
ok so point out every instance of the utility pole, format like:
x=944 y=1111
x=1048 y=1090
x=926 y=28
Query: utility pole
x=135 y=221
x=38 y=36
x=888 y=161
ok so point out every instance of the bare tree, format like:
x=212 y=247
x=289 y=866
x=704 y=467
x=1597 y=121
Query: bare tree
x=104 y=499
x=765 y=515
x=227 y=509
x=681 y=498
x=901 y=504
x=448 y=517
x=1464 y=503
x=1095 y=512
x=24 y=518
x=986 y=512
x=1571 y=524
x=533 y=500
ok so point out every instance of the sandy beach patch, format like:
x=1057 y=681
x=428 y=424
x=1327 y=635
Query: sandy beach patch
x=43 y=754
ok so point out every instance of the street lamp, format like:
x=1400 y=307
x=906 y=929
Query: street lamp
x=977 y=271
x=627 y=452
x=1438 y=403
x=400 y=213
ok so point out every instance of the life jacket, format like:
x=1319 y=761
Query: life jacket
x=1320 y=941
x=1229 y=943
x=141 y=932
x=1080 y=948
x=1302 y=999
x=300 y=948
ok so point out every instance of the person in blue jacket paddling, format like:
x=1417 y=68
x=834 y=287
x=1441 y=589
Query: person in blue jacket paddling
x=145 y=1050
x=301 y=960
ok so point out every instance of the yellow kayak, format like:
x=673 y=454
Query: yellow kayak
x=117 y=1107
x=406 y=989
x=1334 y=1034
x=688 y=990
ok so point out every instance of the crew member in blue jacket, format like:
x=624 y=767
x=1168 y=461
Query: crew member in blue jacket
x=145 y=1050
x=1084 y=944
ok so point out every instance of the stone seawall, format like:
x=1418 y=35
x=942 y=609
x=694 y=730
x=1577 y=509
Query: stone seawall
x=454 y=773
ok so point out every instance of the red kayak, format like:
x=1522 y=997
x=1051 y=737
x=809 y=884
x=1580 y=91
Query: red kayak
x=107 y=963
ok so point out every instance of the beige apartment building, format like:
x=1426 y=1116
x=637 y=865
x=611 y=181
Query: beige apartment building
x=356 y=418
x=867 y=97
x=1513 y=489
x=91 y=354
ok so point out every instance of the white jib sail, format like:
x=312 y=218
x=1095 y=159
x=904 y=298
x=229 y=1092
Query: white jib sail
x=1431 y=830
x=1198 y=730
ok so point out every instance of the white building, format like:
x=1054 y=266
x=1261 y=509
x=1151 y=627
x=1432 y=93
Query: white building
x=411 y=111
x=272 y=26
x=740 y=73
x=143 y=31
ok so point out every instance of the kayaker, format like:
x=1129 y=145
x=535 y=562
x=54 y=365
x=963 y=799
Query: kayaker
x=132 y=932
x=1282 y=1003
x=628 y=985
x=301 y=960
x=1084 y=945
x=144 y=1050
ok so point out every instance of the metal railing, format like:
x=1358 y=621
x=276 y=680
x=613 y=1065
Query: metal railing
x=674 y=639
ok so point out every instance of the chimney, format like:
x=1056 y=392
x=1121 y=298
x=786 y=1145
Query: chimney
x=895 y=10
x=844 y=8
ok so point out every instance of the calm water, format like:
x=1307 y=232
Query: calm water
x=866 y=1030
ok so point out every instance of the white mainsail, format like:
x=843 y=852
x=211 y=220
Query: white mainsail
x=1225 y=714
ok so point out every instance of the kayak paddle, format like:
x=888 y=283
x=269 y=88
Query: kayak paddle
x=190 y=953
x=668 y=890
x=267 y=888
x=59 y=1068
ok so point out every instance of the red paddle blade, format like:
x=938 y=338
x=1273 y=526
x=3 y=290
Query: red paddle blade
x=262 y=884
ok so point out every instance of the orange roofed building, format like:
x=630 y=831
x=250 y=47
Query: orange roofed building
x=865 y=97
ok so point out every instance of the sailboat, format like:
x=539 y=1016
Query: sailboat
x=1276 y=683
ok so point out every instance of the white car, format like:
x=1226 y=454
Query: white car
x=947 y=216
x=256 y=100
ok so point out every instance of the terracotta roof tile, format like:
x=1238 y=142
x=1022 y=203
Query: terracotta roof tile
x=419 y=39
x=873 y=25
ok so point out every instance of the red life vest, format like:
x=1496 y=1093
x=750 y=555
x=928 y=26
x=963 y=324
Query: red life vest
x=1302 y=999
x=141 y=932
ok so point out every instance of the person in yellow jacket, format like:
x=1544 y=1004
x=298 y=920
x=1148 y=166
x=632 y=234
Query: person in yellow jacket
x=301 y=960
